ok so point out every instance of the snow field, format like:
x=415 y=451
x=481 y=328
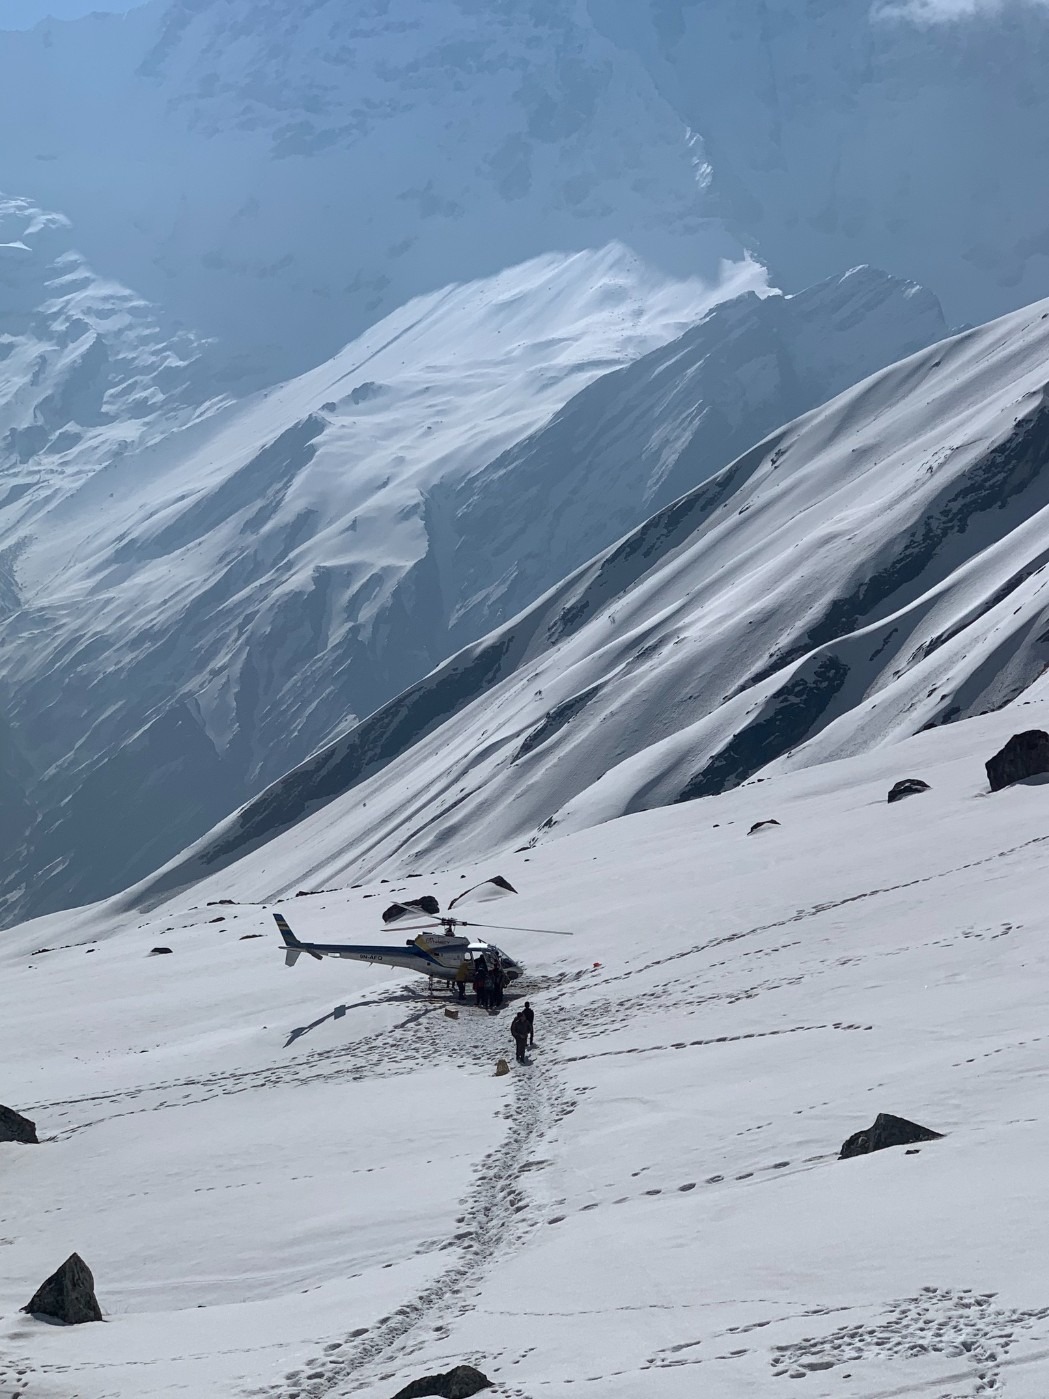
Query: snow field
x=653 y=1203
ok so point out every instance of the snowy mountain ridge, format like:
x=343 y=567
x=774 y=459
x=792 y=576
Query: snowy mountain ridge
x=875 y=568
x=222 y=604
x=88 y=371
x=195 y=616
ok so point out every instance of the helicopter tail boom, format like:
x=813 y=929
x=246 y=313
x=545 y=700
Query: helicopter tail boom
x=293 y=948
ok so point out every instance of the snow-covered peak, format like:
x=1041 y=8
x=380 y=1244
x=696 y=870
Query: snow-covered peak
x=88 y=370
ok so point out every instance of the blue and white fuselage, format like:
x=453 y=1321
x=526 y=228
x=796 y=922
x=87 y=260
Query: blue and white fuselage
x=431 y=953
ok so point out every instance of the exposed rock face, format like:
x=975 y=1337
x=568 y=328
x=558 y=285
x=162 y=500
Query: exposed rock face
x=68 y=1295
x=1025 y=755
x=907 y=787
x=762 y=826
x=459 y=1383
x=887 y=1131
x=16 y=1128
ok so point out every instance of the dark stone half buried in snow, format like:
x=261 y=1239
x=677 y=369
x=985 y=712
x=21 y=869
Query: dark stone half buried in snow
x=68 y=1295
x=16 y=1128
x=426 y=907
x=762 y=826
x=907 y=787
x=495 y=887
x=160 y=952
x=459 y=1383
x=887 y=1131
x=1025 y=755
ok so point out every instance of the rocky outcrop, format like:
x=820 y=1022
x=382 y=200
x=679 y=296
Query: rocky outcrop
x=887 y=1131
x=68 y=1295
x=907 y=787
x=1025 y=755
x=16 y=1128
x=762 y=826
x=459 y=1383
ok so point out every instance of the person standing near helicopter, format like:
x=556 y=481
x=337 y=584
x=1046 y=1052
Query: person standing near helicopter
x=481 y=982
x=463 y=974
x=496 y=982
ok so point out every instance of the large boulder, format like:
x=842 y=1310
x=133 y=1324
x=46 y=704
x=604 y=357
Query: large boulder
x=907 y=787
x=1025 y=755
x=459 y=1383
x=68 y=1295
x=887 y=1131
x=16 y=1128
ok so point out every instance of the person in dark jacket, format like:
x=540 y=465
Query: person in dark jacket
x=481 y=982
x=519 y=1030
x=529 y=1015
x=496 y=983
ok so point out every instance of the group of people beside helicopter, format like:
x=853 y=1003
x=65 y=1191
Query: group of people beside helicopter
x=489 y=982
x=488 y=978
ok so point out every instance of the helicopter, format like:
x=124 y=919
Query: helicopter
x=438 y=949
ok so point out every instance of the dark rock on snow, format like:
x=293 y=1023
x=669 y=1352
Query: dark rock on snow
x=459 y=1383
x=907 y=787
x=16 y=1128
x=762 y=825
x=160 y=951
x=887 y=1131
x=426 y=905
x=1025 y=755
x=68 y=1295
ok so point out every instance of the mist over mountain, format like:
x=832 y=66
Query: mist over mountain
x=839 y=132
x=282 y=175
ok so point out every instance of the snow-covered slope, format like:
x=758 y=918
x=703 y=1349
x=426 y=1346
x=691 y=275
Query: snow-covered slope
x=909 y=134
x=876 y=567
x=309 y=1183
x=284 y=175
x=635 y=440
x=199 y=617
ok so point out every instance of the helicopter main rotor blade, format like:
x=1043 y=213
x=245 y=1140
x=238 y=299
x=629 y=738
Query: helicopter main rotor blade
x=510 y=928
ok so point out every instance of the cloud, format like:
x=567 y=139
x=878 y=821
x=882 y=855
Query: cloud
x=926 y=12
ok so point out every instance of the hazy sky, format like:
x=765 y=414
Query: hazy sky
x=21 y=14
